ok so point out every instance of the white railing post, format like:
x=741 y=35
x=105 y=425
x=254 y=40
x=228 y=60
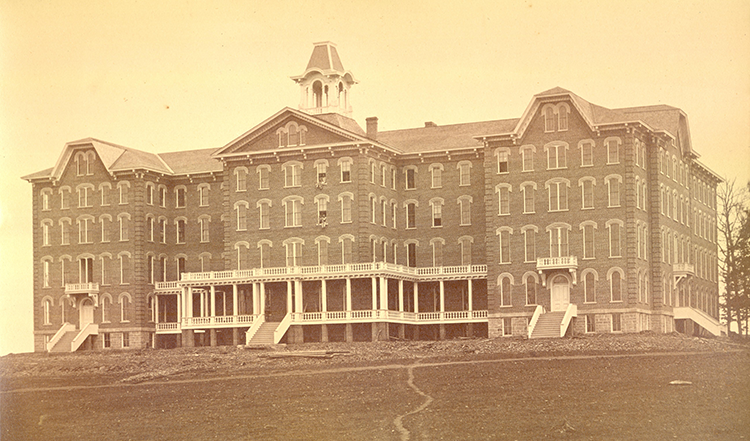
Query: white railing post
x=535 y=318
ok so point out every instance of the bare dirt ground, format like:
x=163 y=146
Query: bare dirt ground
x=597 y=387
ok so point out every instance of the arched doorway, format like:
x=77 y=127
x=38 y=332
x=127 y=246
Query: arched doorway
x=560 y=293
x=87 y=313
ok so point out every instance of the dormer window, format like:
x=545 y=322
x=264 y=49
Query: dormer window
x=549 y=119
x=291 y=134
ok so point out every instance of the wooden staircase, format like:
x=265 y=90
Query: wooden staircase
x=548 y=325
x=64 y=344
x=264 y=335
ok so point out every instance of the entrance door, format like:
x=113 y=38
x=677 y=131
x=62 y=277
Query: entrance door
x=87 y=313
x=560 y=293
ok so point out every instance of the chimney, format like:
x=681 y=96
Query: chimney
x=372 y=127
x=430 y=124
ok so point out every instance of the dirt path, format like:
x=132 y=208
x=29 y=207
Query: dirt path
x=398 y=421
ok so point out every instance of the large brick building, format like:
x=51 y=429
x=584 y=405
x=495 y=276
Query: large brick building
x=571 y=218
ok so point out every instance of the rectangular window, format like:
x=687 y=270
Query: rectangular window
x=614 y=240
x=529 y=238
x=589 y=323
x=528 y=159
x=507 y=326
x=293 y=216
x=263 y=173
x=45 y=201
x=105 y=196
x=242 y=217
x=587 y=194
x=163 y=230
x=346 y=209
x=528 y=198
x=125 y=340
x=505 y=295
x=322 y=252
x=614 y=192
x=123 y=194
x=504 y=202
x=558 y=196
x=64 y=202
x=556 y=157
x=346 y=171
x=204 y=229
x=65 y=233
x=589 y=288
x=464 y=174
x=587 y=154
x=465 y=252
x=83 y=197
x=558 y=242
x=203 y=196
x=616 y=322
x=123 y=229
x=502 y=162
x=613 y=152
x=292 y=175
x=411 y=255
x=241 y=174
x=322 y=211
x=107 y=340
x=437 y=177
x=264 y=216
x=465 y=211
x=588 y=242
x=410 y=179
x=181 y=225
x=180 y=197
x=437 y=215
x=505 y=246
x=437 y=254
x=346 y=251
x=411 y=215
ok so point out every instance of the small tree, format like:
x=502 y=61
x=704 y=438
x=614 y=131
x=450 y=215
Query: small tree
x=734 y=246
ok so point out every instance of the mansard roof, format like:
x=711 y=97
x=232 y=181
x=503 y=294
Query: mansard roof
x=117 y=158
x=657 y=118
x=326 y=61
x=447 y=137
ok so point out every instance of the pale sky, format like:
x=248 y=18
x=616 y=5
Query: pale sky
x=175 y=75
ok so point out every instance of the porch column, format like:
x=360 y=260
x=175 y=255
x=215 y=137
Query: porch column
x=348 y=294
x=323 y=296
x=288 y=296
x=298 y=300
x=189 y=302
x=374 y=293
x=235 y=298
x=156 y=308
x=470 y=294
x=442 y=296
x=383 y=293
x=180 y=306
x=401 y=296
x=203 y=303
x=213 y=301
x=416 y=297
x=262 y=298
x=256 y=298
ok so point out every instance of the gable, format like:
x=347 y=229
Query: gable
x=288 y=129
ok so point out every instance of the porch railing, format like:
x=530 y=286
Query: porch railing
x=351 y=268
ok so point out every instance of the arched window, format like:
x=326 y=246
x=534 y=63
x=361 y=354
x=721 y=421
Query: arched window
x=504 y=286
x=531 y=287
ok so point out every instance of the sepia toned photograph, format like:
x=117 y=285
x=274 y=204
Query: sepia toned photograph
x=386 y=220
